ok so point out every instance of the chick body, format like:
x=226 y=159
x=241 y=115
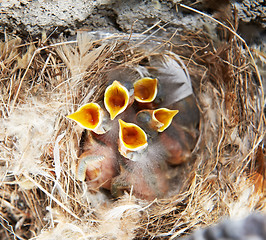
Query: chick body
x=97 y=164
x=147 y=181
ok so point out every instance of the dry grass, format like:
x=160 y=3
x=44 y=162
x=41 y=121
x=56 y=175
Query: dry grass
x=43 y=82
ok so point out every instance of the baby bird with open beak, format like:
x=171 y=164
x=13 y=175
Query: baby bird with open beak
x=142 y=165
x=119 y=93
x=92 y=116
x=145 y=90
x=117 y=98
x=132 y=140
x=161 y=125
x=127 y=84
x=97 y=165
x=174 y=92
x=155 y=120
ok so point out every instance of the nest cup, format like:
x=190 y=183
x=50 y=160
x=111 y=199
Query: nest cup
x=225 y=176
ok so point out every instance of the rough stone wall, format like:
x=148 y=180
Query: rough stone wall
x=252 y=10
x=24 y=17
x=32 y=17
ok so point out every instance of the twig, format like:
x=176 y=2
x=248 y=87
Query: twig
x=261 y=118
x=9 y=228
x=51 y=196
x=233 y=32
x=27 y=69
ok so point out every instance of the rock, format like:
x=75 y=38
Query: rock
x=252 y=11
x=23 y=17
x=32 y=17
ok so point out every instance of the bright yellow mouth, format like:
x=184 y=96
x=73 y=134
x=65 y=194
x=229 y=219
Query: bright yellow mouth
x=145 y=90
x=164 y=116
x=116 y=99
x=88 y=116
x=131 y=136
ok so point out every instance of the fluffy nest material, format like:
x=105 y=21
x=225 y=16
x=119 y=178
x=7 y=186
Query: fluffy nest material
x=42 y=82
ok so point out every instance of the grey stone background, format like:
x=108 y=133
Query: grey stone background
x=30 y=18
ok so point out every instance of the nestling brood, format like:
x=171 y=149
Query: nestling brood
x=147 y=122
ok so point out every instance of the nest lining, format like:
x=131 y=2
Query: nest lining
x=40 y=86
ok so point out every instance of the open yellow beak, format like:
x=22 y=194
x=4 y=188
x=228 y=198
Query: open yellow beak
x=116 y=99
x=131 y=138
x=145 y=90
x=89 y=116
x=158 y=119
x=164 y=116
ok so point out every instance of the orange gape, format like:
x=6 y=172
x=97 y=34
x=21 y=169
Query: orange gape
x=87 y=116
x=158 y=120
x=131 y=139
x=132 y=136
x=116 y=99
x=91 y=116
x=164 y=116
x=145 y=90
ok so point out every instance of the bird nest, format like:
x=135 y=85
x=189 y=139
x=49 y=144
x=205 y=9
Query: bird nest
x=42 y=82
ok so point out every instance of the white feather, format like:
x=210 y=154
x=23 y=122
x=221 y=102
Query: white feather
x=118 y=212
